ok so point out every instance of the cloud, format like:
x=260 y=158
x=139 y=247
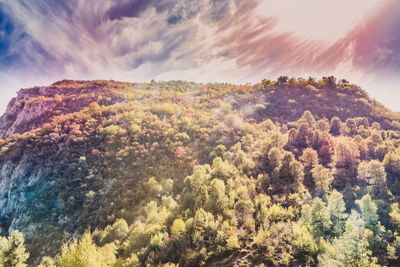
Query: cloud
x=93 y=37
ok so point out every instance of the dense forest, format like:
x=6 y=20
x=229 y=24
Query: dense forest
x=293 y=172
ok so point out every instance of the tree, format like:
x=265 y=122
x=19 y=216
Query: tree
x=322 y=178
x=310 y=160
x=283 y=79
x=94 y=108
x=329 y=81
x=395 y=216
x=275 y=244
x=362 y=147
x=320 y=218
x=323 y=124
x=351 y=127
x=337 y=210
x=195 y=192
x=205 y=230
x=222 y=169
x=392 y=162
x=373 y=173
x=118 y=231
x=305 y=248
x=344 y=82
x=351 y=249
x=368 y=212
x=178 y=229
x=218 y=201
x=336 y=127
x=84 y=253
x=308 y=118
x=346 y=158
x=288 y=174
x=304 y=136
x=371 y=221
x=12 y=250
x=323 y=143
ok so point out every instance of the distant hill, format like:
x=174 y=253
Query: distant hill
x=287 y=172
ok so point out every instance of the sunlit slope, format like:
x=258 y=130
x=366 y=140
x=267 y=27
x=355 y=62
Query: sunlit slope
x=80 y=155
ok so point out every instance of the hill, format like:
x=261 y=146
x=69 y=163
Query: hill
x=286 y=172
x=284 y=100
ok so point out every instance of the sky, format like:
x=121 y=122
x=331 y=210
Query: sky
x=235 y=41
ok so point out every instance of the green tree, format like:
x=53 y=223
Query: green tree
x=94 y=107
x=310 y=160
x=371 y=221
x=347 y=158
x=118 y=231
x=218 y=201
x=305 y=248
x=368 y=212
x=337 y=210
x=395 y=216
x=12 y=250
x=351 y=249
x=320 y=218
x=288 y=175
x=178 y=229
x=84 y=253
x=195 y=192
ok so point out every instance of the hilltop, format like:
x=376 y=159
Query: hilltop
x=282 y=101
x=286 y=172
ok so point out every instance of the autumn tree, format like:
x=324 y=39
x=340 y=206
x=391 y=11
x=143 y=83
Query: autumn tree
x=322 y=179
x=346 y=159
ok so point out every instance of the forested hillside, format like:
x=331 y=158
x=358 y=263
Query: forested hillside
x=291 y=172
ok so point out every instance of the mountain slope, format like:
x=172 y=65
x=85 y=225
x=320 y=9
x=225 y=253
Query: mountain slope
x=80 y=155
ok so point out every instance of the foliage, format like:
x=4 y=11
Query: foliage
x=12 y=250
x=178 y=173
x=84 y=253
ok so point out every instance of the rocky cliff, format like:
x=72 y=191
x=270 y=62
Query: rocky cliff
x=35 y=106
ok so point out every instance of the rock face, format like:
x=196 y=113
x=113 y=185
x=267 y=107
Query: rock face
x=20 y=185
x=17 y=181
x=35 y=106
